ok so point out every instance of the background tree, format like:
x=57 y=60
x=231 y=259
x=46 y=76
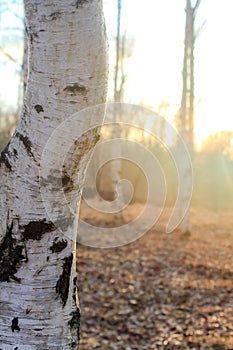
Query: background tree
x=186 y=113
x=116 y=129
x=67 y=73
x=11 y=38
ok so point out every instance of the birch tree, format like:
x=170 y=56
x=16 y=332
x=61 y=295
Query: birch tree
x=67 y=73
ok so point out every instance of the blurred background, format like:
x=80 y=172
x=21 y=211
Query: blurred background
x=175 y=61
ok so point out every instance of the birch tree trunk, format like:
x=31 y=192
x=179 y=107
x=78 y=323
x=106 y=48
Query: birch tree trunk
x=67 y=73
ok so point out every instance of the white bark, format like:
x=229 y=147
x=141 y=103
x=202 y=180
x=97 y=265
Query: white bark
x=67 y=72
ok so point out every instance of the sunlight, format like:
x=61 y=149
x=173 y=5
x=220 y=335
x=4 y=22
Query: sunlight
x=154 y=70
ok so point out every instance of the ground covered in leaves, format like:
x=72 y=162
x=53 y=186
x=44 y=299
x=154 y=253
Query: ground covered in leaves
x=162 y=291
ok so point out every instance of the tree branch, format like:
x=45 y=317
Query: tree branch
x=16 y=15
x=197 y=5
x=11 y=58
x=199 y=29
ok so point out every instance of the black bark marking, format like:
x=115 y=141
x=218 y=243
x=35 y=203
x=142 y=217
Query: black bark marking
x=36 y=229
x=10 y=257
x=65 y=179
x=27 y=144
x=74 y=324
x=15 y=324
x=97 y=137
x=32 y=36
x=55 y=15
x=39 y=271
x=77 y=152
x=59 y=246
x=53 y=182
x=74 y=289
x=67 y=182
x=63 y=283
x=28 y=310
x=15 y=152
x=39 y=108
x=4 y=159
x=76 y=89
x=80 y=3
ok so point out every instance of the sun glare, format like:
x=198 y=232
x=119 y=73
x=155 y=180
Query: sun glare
x=154 y=72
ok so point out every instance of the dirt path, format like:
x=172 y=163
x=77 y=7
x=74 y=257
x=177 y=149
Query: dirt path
x=162 y=291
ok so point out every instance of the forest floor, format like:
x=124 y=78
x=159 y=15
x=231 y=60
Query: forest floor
x=162 y=291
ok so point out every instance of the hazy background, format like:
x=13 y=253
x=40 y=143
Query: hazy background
x=154 y=48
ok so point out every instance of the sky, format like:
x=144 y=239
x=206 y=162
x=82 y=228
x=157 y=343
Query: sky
x=155 y=68
x=154 y=71
x=11 y=27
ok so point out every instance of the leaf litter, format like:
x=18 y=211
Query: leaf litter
x=162 y=291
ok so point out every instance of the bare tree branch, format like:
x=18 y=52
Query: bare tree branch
x=11 y=58
x=16 y=15
x=18 y=29
x=199 y=29
x=197 y=5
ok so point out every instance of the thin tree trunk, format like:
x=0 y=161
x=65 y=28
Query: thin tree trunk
x=67 y=72
x=187 y=106
x=116 y=130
